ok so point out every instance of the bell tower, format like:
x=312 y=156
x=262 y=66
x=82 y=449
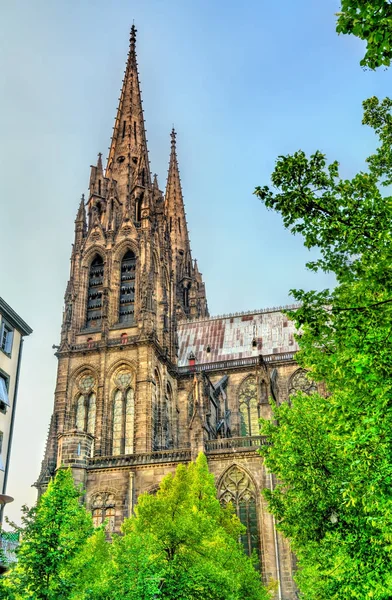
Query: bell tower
x=132 y=277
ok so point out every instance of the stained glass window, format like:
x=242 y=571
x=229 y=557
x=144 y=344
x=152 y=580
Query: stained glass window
x=236 y=487
x=249 y=410
x=299 y=382
x=86 y=383
x=80 y=413
x=103 y=509
x=129 y=421
x=117 y=421
x=123 y=414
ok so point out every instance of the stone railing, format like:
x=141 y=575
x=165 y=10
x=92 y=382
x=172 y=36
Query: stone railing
x=237 y=443
x=162 y=456
x=235 y=363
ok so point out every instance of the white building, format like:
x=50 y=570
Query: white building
x=12 y=331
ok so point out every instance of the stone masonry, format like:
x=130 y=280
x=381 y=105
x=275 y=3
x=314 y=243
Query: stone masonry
x=146 y=379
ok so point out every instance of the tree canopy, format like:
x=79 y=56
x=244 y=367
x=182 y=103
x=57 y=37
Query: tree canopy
x=181 y=543
x=333 y=452
x=371 y=21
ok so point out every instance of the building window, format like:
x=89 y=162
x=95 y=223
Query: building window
x=123 y=415
x=103 y=509
x=299 y=382
x=94 y=294
x=249 y=409
x=1 y=452
x=4 y=399
x=86 y=406
x=6 y=337
x=236 y=487
x=127 y=288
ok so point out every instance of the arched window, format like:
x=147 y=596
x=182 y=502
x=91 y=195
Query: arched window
x=299 y=382
x=86 y=406
x=236 y=487
x=127 y=288
x=123 y=415
x=103 y=509
x=249 y=409
x=167 y=441
x=156 y=413
x=94 y=294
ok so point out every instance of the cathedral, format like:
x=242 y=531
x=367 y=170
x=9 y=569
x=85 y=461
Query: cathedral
x=146 y=378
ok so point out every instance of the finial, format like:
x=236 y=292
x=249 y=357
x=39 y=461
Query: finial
x=82 y=198
x=173 y=137
x=132 y=38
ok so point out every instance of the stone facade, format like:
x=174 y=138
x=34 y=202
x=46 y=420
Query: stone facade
x=146 y=379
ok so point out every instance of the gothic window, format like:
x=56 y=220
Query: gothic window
x=236 y=487
x=94 y=294
x=123 y=414
x=138 y=209
x=249 y=410
x=103 y=509
x=127 y=288
x=191 y=406
x=299 y=382
x=156 y=414
x=86 y=406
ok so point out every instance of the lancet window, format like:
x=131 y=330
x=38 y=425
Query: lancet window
x=156 y=412
x=249 y=409
x=237 y=487
x=123 y=414
x=127 y=288
x=94 y=294
x=86 y=405
x=103 y=509
x=299 y=382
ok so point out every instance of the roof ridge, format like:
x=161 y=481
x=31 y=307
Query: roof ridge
x=242 y=313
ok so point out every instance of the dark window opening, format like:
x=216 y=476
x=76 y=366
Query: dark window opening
x=127 y=288
x=123 y=129
x=138 y=209
x=171 y=223
x=186 y=298
x=179 y=224
x=134 y=132
x=99 y=186
x=94 y=294
x=121 y=159
x=143 y=177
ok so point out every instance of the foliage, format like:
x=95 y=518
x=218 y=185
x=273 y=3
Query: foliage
x=370 y=20
x=333 y=454
x=53 y=532
x=183 y=544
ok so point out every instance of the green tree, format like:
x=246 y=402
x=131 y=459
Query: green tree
x=370 y=20
x=182 y=543
x=53 y=533
x=333 y=455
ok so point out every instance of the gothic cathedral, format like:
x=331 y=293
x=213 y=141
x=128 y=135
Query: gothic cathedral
x=146 y=378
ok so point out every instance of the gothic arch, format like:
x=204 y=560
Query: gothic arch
x=121 y=410
x=236 y=485
x=90 y=254
x=122 y=362
x=122 y=248
x=299 y=382
x=248 y=406
x=102 y=505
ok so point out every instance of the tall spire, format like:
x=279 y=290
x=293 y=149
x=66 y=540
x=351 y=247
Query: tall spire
x=174 y=202
x=128 y=156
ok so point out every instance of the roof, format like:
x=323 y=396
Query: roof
x=231 y=337
x=14 y=319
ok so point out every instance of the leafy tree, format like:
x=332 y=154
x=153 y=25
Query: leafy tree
x=183 y=544
x=370 y=20
x=333 y=454
x=53 y=533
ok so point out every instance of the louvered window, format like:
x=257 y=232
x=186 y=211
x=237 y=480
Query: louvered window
x=127 y=289
x=94 y=296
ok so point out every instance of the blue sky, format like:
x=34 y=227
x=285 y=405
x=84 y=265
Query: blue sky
x=241 y=82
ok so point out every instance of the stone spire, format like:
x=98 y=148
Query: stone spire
x=128 y=160
x=80 y=223
x=174 y=203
